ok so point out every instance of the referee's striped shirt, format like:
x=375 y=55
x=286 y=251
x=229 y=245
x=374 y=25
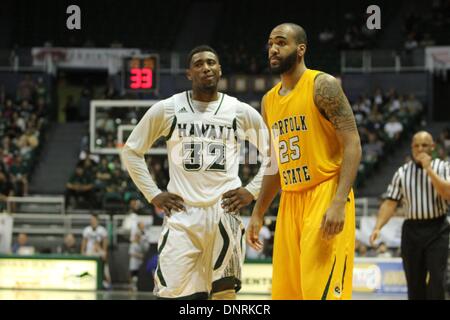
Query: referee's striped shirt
x=412 y=185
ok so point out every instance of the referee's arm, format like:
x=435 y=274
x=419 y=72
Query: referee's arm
x=387 y=210
x=441 y=185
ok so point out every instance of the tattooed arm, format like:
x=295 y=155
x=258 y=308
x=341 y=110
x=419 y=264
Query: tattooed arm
x=333 y=104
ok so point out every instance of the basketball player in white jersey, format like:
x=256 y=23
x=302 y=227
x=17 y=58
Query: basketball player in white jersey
x=201 y=248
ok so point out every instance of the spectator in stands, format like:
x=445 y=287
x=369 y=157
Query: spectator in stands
x=89 y=166
x=103 y=174
x=8 y=147
x=442 y=149
x=414 y=105
x=373 y=149
x=8 y=109
x=28 y=140
x=136 y=252
x=393 y=128
x=41 y=90
x=375 y=119
x=19 y=176
x=70 y=245
x=411 y=42
x=79 y=189
x=444 y=138
x=22 y=247
x=26 y=109
x=393 y=104
x=2 y=162
x=142 y=230
x=26 y=88
x=3 y=122
x=361 y=250
x=18 y=121
x=383 y=251
x=130 y=223
x=94 y=233
x=95 y=243
x=6 y=190
x=41 y=108
x=117 y=183
x=378 y=98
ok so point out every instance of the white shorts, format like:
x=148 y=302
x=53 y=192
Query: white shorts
x=200 y=250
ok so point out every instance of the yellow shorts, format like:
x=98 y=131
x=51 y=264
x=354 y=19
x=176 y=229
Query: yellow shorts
x=304 y=265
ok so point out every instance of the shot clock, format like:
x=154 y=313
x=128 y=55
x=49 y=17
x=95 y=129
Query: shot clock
x=140 y=73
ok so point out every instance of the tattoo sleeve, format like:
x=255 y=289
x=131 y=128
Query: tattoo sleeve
x=332 y=103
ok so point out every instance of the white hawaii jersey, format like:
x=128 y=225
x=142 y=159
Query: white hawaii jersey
x=202 y=143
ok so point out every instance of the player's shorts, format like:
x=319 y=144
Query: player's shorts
x=304 y=265
x=231 y=276
x=197 y=247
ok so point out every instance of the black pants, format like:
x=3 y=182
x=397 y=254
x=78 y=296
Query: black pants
x=425 y=251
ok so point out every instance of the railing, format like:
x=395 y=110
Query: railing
x=173 y=62
x=11 y=203
x=51 y=225
x=382 y=61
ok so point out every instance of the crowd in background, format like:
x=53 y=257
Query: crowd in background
x=23 y=121
x=379 y=251
x=420 y=27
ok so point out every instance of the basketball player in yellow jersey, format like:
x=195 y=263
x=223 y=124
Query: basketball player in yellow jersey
x=317 y=150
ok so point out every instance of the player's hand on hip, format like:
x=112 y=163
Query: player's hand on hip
x=333 y=221
x=253 y=228
x=169 y=201
x=235 y=199
x=374 y=236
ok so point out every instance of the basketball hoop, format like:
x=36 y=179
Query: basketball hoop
x=55 y=54
x=441 y=63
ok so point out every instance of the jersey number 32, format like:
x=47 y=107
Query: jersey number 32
x=193 y=159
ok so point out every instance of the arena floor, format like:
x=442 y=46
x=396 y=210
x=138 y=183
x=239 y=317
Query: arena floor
x=127 y=295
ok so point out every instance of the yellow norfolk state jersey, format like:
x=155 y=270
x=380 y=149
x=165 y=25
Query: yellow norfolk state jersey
x=305 y=142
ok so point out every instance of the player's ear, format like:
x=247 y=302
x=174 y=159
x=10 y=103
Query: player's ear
x=301 y=49
x=220 y=70
x=188 y=74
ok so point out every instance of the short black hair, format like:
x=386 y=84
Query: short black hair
x=299 y=32
x=94 y=215
x=201 y=48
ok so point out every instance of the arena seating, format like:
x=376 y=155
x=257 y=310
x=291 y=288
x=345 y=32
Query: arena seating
x=23 y=123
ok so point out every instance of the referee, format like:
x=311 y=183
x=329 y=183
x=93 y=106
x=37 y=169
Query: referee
x=423 y=185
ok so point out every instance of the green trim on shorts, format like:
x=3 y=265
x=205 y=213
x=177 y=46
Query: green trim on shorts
x=226 y=244
x=327 y=287
x=163 y=242
x=343 y=273
x=159 y=272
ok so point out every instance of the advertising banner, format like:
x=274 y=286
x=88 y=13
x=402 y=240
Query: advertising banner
x=48 y=274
